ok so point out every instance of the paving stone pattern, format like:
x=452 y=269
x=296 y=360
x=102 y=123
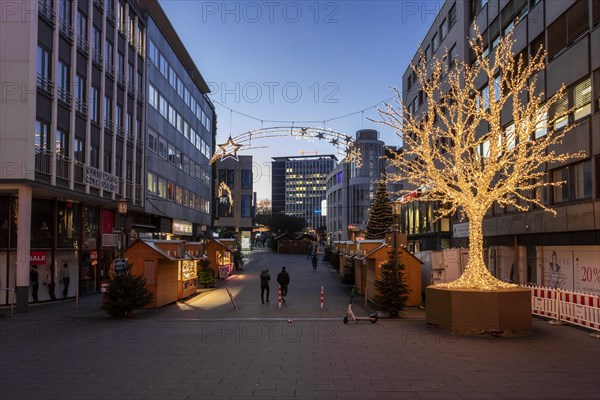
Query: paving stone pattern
x=206 y=349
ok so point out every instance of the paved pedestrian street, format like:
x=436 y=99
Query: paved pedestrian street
x=204 y=348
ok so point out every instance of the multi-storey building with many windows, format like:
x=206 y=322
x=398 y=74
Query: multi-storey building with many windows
x=73 y=139
x=298 y=186
x=530 y=243
x=351 y=187
x=181 y=135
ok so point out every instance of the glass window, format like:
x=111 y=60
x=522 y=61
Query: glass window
x=171 y=191
x=81 y=25
x=94 y=104
x=78 y=152
x=152 y=141
x=453 y=56
x=497 y=87
x=42 y=135
x=582 y=98
x=171 y=153
x=62 y=78
x=435 y=43
x=583 y=180
x=542 y=123
x=443 y=29
x=107 y=161
x=96 y=39
x=152 y=183
x=43 y=62
x=62 y=144
x=561 y=193
x=94 y=156
x=162 y=188
x=246 y=179
x=246 y=206
x=108 y=54
x=80 y=89
x=452 y=16
x=162 y=147
x=560 y=112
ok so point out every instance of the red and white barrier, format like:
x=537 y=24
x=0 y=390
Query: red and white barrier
x=580 y=309
x=322 y=296
x=565 y=306
x=544 y=302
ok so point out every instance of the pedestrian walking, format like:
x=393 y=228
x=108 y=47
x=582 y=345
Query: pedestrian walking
x=265 y=277
x=314 y=261
x=35 y=282
x=48 y=281
x=65 y=278
x=283 y=278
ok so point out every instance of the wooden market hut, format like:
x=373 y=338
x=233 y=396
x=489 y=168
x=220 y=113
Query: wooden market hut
x=170 y=273
x=294 y=244
x=220 y=255
x=367 y=268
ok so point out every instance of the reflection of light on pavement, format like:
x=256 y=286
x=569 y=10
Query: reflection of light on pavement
x=210 y=300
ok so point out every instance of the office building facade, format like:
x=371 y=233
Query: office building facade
x=530 y=243
x=180 y=123
x=351 y=187
x=73 y=140
x=298 y=186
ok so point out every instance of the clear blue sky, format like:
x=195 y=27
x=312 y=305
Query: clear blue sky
x=299 y=60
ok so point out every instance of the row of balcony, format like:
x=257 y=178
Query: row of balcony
x=45 y=161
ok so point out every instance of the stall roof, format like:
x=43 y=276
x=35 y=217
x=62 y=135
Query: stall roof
x=154 y=245
x=388 y=248
x=218 y=241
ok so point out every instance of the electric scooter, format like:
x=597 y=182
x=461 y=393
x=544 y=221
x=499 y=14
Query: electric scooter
x=350 y=315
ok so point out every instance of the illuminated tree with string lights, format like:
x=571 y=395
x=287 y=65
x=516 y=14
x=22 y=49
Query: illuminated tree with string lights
x=380 y=213
x=457 y=151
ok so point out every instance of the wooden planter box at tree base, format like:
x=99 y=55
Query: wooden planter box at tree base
x=474 y=312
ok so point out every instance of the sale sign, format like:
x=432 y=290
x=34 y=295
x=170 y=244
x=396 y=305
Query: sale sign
x=37 y=257
x=587 y=271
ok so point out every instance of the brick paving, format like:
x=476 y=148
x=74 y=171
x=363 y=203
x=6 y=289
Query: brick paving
x=204 y=348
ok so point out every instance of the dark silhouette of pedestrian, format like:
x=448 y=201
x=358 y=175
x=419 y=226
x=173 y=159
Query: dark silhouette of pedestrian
x=283 y=278
x=35 y=282
x=314 y=261
x=65 y=278
x=265 y=277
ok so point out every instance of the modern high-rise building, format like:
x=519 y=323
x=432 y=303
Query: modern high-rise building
x=531 y=243
x=351 y=187
x=298 y=186
x=74 y=137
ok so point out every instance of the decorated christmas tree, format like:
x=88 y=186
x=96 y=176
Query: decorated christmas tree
x=380 y=213
x=392 y=290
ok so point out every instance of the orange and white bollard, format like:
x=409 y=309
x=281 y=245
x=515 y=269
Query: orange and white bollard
x=322 y=296
x=279 y=297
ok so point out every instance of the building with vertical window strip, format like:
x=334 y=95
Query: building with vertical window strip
x=234 y=198
x=299 y=186
x=74 y=137
x=530 y=243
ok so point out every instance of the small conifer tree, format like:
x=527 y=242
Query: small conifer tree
x=392 y=290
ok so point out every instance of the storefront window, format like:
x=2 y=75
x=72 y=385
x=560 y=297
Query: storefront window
x=68 y=225
x=41 y=223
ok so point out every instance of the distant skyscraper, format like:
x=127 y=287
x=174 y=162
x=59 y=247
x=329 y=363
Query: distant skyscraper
x=298 y=186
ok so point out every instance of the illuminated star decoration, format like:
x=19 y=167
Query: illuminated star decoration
x=229 y=149
x=320 y=135
x=303 y=131
x=334 y=142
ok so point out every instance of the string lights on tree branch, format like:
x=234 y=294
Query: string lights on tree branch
x=446 y=152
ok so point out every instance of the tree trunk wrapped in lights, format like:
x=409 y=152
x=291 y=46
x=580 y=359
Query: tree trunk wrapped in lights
x=446 y=154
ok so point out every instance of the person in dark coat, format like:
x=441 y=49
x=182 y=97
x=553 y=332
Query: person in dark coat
x=283 y=278
x=314 y=261
x=265 y=277
x=35 y=282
